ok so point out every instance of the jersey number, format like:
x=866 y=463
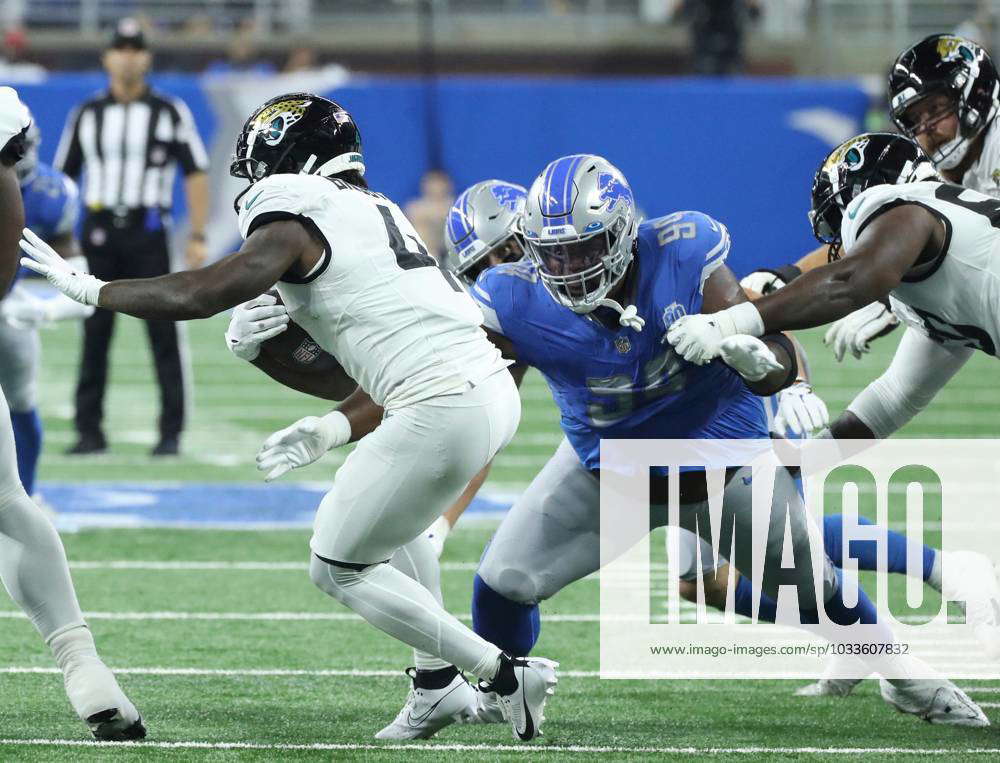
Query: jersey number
x=671 y=228
x=406 y=259
x=660 y=376
x=988 y=208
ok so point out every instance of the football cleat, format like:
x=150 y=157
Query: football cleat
x=970 y=577
x=935 y=701
x=427 y=711
x=100 y=702
x=832 y=684
x=489 y=709
x=523 y=685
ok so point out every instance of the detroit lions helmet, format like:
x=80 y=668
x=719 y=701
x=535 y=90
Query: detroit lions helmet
x=857 y=164
x=580 y=226
x=297 y=133
x=482 y=222
x=957 y=67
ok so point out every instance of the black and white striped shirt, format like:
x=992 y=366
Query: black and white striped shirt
x=129 y=152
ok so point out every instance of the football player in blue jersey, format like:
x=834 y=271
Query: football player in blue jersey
x=590 y=310
x=51 y=208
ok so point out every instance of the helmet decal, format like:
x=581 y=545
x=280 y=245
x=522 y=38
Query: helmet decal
x=952 y=48
x=613 y=190
x=274 y=120
x=507 y=195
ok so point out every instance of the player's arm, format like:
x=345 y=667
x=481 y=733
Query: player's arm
x=11 y=223
x=268 y=253
x=886 y=251
x=722 y=291
x=919 y=369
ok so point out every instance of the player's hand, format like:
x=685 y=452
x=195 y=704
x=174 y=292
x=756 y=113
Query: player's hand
x=696 y=338
x=42 y=258
x=854 y=331
x=748 y=356
x=762 y=281
x=23 y=310
x=302 y=443
x=253 y=323
x=800 y=411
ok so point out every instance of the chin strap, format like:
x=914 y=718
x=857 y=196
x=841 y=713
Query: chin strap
x=629 y=317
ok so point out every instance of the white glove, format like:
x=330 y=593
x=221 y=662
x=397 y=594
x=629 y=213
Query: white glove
x=854 y=331
x=800 y=411
x=253 y=323
x=697 y=337
x=42 y=258
x=748 y=356
x=23 y=310
x=302 y=443
x=762 y=282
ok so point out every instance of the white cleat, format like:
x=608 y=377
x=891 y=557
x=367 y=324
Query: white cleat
x=489 y=709
x=524 y=707
x=100 y=702
x=935 y=701
x=427 y=711
x=828 y=687
x=970 y=577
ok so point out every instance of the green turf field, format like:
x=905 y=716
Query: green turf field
x=249 y=661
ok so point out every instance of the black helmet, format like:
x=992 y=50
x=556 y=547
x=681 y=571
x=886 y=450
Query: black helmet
x=873 y=158
x=957 y=67
x=297 y=133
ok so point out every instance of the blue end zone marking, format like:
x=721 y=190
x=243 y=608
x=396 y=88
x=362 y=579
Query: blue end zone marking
x=134 y=504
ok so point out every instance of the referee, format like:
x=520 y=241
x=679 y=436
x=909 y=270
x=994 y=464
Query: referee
x=127 y=141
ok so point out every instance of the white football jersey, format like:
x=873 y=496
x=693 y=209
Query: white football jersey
x=984 y=174
x=955 y=298
x=376 y=301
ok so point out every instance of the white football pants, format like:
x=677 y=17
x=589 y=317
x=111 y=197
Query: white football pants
x=398 y=480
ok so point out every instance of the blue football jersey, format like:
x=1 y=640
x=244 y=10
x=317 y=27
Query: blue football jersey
x=620 y=383
x=51 y=203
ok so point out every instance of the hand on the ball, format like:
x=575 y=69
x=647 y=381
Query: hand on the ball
x=253 y=323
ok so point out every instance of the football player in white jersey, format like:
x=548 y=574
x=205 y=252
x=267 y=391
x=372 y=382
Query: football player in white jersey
x=33 y=564
x=944 y=92
x=353 y=273
x=931 y=249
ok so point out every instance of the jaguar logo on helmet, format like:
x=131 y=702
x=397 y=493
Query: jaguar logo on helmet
x=273 y=121
x=955 y=48
x=613 y=190
x=849 y=155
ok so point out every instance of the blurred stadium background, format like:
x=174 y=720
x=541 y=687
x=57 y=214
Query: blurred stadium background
x=477 y=89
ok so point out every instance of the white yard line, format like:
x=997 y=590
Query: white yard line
x=521 y=749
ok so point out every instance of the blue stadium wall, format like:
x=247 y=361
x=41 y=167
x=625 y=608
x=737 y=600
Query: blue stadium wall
x=742 y=150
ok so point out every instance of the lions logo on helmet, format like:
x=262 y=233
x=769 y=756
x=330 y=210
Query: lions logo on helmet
x=613 y=190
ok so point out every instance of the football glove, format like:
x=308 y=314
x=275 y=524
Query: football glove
x=748 y=356
x=302 y=443
x=800 y=411
x=76 y=284
x=854 y=331
x=697 y=338
x=253 y=323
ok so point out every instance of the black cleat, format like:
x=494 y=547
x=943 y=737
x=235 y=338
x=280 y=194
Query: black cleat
x=109 y=726
x=168 y=446
x=88 y=444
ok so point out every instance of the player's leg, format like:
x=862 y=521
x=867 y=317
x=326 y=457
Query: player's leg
x=549 y=539
x=34 y=571
x=19 y=355
x=439 y=529
x=388 y=490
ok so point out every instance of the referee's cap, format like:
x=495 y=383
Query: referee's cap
x=128 y=34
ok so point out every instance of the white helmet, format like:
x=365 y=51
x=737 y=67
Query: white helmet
x=580 y=225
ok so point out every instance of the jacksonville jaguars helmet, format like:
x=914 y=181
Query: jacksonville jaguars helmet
x=483 y=221
x=580 y=226
x=297 y=133
x=957 y=67
x=26 y=166
x=869 y=159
